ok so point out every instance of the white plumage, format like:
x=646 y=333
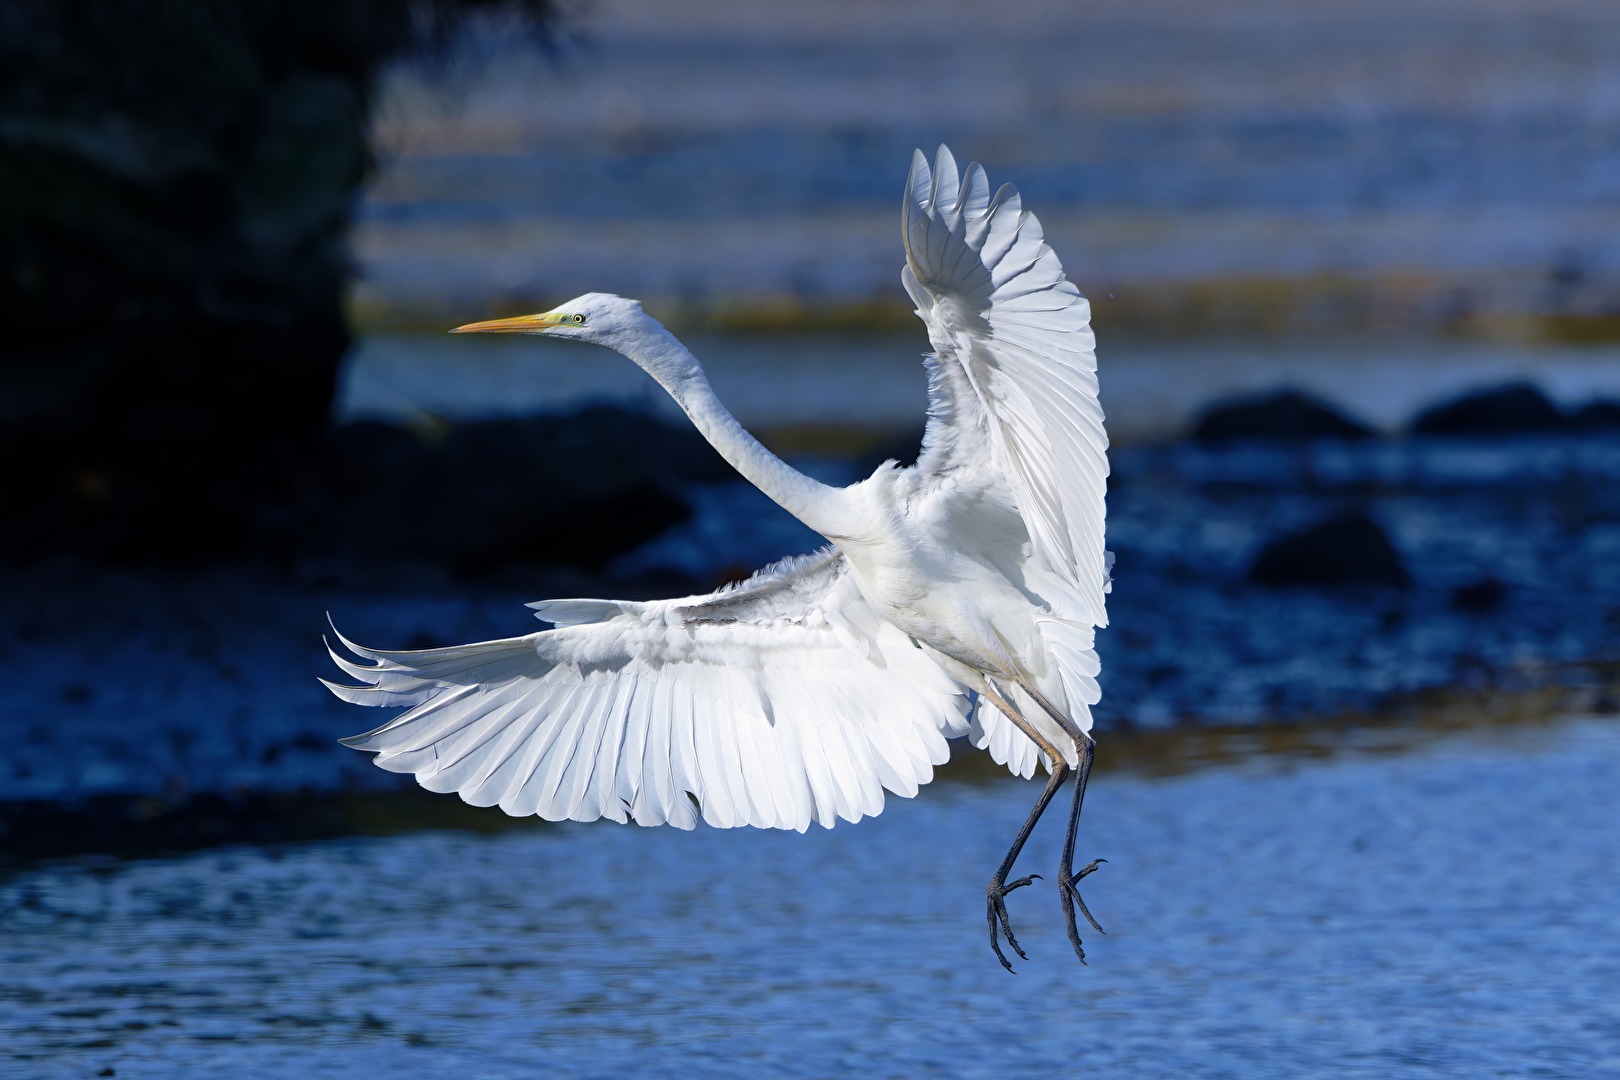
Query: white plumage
x=959 y=596
x=775 y=703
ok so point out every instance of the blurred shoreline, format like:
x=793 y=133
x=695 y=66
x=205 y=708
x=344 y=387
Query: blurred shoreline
x=1245 y=167
x=799 y=390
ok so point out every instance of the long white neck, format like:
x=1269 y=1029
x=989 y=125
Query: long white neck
x=823 y=508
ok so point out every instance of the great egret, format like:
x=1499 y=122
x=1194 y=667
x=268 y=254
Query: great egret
x=957 y=597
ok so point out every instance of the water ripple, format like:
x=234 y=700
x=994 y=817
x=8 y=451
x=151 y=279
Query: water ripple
x=1448 y=911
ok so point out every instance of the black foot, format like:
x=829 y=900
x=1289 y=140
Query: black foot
x=1069 y=891
x=996 y=915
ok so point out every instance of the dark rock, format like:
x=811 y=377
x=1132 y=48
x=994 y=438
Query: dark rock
x=1284 y=415
x=521 y=492
x=1504 y=410
x=576 y=490
x=1600 y=415
x=666 y=452
x=360 y=454
x=1350 y=549
x=1479 y=597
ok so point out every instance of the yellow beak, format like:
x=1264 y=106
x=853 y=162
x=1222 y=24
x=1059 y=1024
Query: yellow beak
x=519 y=324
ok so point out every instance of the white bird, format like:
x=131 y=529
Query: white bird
x=959 y=596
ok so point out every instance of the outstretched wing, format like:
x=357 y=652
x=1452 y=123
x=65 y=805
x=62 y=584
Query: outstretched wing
x=773 y=703
x=1015 y=377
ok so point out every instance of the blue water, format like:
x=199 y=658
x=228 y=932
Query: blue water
x=1444 y=910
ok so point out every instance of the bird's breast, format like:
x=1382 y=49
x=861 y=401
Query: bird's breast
x=944 y=600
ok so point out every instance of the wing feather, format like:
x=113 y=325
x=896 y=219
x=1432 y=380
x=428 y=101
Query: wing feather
x=726 y=754
x=995 y=301
x=683 y=760
x=525 y=799
x=522 y=764
x=1014 y=417
x=776 y=703
x=557 y=799
x=584 y=753
x=481 y=773
x=637 y=714
x=657 y=799
x=787 y=786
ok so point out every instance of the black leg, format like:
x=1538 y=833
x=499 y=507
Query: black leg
x=995 y=904
x=1068 y=880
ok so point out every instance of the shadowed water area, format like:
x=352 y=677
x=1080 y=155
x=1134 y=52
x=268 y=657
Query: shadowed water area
x=1433 y=908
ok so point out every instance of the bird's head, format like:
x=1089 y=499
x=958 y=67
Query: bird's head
x=607 y=320
x=599 y=318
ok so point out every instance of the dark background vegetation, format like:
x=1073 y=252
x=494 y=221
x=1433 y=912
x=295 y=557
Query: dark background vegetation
x=177 y=183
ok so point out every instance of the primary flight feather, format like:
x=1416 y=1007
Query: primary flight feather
x=956 y=597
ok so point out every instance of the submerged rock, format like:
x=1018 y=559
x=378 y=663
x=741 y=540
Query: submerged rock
x=1284 y=415
x=1348 y=549
x=1602 y=414
x=1479 y=597
x=1503 y=410
x=535 y=491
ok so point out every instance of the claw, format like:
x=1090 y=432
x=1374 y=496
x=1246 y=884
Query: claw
x=996 y=916
x=1066 y=892
x=995 y=943
x=1069 y=891
x=1081 y=904
x=1071 y=886
x=1006 y=928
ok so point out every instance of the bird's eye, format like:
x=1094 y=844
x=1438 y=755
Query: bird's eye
x=579 y=320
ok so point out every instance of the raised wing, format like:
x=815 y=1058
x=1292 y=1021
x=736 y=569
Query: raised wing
x=1016 y=371
x=774 y=703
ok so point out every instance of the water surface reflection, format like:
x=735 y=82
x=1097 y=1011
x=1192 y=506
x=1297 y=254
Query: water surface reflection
x=1444 y=911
